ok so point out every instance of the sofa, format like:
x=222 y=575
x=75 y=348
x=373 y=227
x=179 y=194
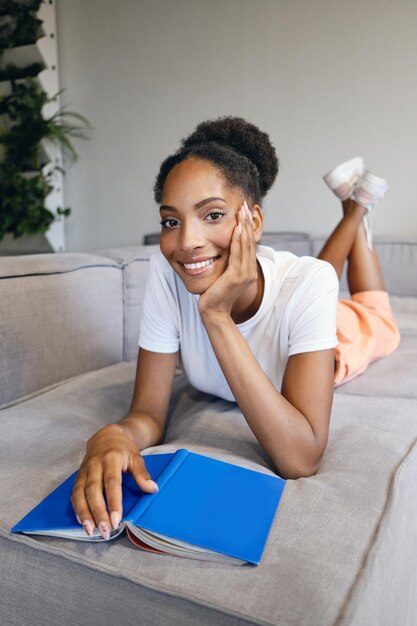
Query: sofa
x=343 y=546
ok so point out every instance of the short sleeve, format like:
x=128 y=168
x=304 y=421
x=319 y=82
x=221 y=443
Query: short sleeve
x=313 y=319
x=159 y=322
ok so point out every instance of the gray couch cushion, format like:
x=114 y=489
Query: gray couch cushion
x=394 y=376
x=60 y=315
x=343 y=547
x=295 y=242
x=324 y=532
x=135 y=263
x=389 y=569
x=398 y=260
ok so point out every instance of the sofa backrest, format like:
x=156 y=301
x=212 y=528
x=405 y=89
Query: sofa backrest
x=398 y=259
x=398 y=256
x=134 y=262
x=61 y=315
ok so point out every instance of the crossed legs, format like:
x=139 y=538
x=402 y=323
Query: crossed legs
x=348 y=242
x=366 y=328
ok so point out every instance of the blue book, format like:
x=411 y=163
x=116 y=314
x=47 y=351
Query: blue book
x=204 y=509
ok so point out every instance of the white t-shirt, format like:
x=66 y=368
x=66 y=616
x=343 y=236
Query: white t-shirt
x=297 y=314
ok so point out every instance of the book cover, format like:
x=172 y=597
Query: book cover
x=204 y=508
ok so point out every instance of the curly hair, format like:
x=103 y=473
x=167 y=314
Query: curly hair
x=238 y=149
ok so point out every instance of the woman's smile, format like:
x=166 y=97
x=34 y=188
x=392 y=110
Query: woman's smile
x=197 y=267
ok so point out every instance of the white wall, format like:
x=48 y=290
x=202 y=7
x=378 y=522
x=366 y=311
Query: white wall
x=328 y=79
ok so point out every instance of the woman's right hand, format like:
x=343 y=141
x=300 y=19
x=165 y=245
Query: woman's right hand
x=110 y=452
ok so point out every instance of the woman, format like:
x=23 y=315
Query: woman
x=253 y=325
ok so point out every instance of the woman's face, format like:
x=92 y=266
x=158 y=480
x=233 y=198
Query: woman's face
x=198 y=216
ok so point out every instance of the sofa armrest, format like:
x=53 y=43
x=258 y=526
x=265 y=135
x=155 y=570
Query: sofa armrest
x=60 y=315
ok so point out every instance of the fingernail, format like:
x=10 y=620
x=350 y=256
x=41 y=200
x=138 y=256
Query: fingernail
x=249 y=214
x=104 y=529
x=243 y=213
x=153 y=485
x=88 y=527
x=239 y=228
x=115 y=519
x=78 y=520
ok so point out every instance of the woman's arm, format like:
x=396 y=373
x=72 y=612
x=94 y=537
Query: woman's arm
x=115 y=448
x=292 y=424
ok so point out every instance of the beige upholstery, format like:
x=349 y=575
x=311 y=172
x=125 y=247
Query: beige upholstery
x=343 y=547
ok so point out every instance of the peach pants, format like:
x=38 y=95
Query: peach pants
x=366 y=331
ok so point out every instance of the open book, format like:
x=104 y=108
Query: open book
x=204 y=509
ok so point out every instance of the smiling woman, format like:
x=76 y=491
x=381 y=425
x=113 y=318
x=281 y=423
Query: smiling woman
x=254 y=326
x=199 y=214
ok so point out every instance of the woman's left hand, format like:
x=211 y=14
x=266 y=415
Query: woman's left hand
x=240 y=273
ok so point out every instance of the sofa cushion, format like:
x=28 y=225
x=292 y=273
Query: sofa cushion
x=60 y=315
x=323 y=535
x=135 y=263
x=393 y=376
x=295 y=242
x=398 y=257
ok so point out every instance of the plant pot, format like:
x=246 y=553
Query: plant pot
x=21 y=56
x=21 y=62
x=6 y=85
x=28 y=244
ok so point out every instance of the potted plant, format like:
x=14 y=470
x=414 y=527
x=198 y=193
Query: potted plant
x=24 y=180
x=26 y=134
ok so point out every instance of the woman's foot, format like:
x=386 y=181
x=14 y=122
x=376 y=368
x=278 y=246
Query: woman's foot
x=369 y=189
x=343 y=178
x=350 y=181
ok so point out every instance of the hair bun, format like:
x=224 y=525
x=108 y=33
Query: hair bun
x=243 y=137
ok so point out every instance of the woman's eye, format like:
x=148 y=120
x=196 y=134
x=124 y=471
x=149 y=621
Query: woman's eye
x=214 y=216
x=170 y=222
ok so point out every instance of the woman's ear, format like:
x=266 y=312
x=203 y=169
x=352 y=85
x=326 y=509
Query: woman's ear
x=258 y=222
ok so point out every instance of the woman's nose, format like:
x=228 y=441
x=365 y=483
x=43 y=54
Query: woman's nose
x=191 y=236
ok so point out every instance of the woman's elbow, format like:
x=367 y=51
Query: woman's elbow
x=304 y=471
x=300 y=468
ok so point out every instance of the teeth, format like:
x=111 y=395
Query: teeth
x=197 y=266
